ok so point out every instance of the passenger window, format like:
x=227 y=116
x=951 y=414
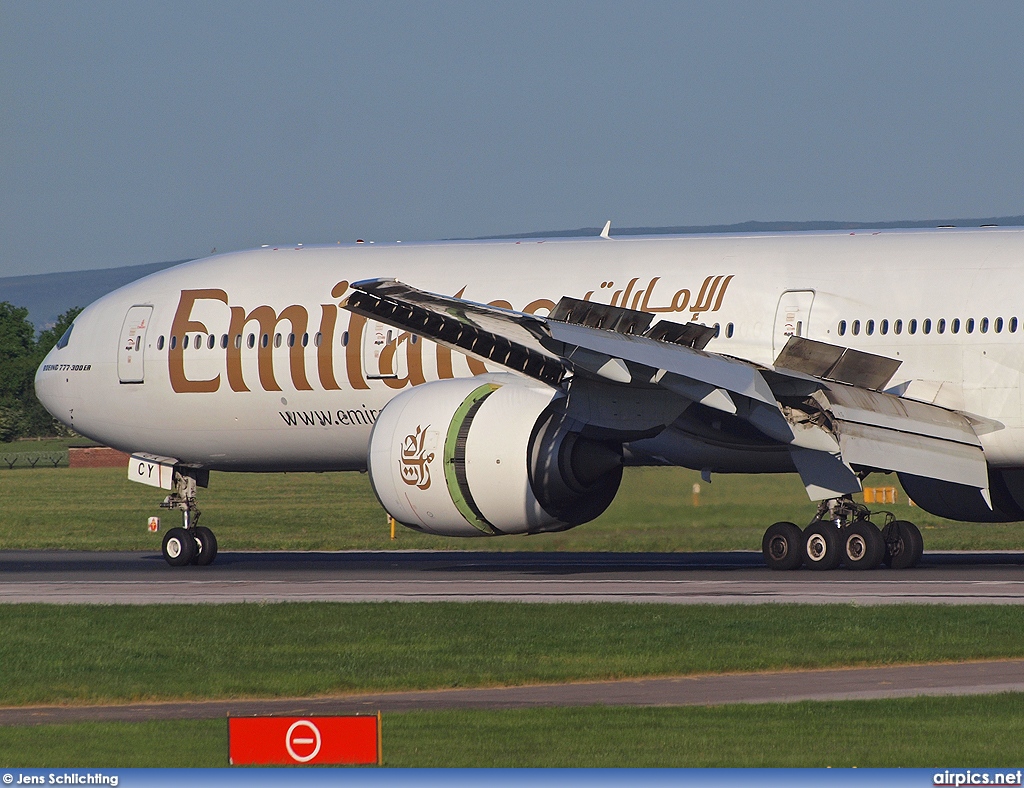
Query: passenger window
x=174 y=342
x=184 y=343
x=955 y=325
x=999 y=325
x=728 y=332
x=897 y=327
x=211 y=342
x=317 y=339
x=870 y=328
x=265 y=341
x=883 y=327
x=718 y=330
x=842 y=328
x=940 y=327
x=970 y=325
x=1013 y=325
x=984 y=325
x=926 y=326
x=291 y=340
x=305 y=340
x=912 y=326
x=856 y=327
x=344 y=339
x=238 y=341
x=224 y=342
x=160 y=343
x=251 y=341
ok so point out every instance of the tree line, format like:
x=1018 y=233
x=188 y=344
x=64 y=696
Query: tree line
x=22 y=350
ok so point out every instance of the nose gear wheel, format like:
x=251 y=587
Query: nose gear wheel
x=191 y=543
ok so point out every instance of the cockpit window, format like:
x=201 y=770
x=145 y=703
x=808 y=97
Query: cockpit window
x=65 y=338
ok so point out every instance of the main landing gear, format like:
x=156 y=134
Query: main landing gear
x=842 y=533
x=192 y=543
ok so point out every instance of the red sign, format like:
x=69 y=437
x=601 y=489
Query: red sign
x=300 y=740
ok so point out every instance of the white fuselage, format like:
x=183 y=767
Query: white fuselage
x=258 y=404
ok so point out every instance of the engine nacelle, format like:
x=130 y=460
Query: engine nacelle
x=487 y=456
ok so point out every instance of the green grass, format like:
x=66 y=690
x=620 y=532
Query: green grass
x=99 y=509
x=32 y=445
x=95 y=654
x=166 y=744
x=966 y=731
x=980 y=731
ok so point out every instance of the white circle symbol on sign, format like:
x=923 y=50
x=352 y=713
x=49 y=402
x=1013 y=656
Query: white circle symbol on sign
x=302 y=740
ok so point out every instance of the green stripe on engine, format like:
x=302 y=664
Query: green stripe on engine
x=454 y=490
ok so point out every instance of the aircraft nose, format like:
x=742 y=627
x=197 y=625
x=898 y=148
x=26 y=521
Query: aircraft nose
x=54 y=390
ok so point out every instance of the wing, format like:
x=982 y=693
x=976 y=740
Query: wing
x=820 y=402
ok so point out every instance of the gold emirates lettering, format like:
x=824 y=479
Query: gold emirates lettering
x=296 y=317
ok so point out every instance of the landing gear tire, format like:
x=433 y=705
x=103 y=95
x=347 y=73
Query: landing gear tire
x=179 y=547
x=822 y=546
x=863 y=546
x=206 y=544
x=904 y=544
x=783 y=546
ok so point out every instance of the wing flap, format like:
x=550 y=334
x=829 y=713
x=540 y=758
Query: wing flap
x=872 y=408
x=875 y=447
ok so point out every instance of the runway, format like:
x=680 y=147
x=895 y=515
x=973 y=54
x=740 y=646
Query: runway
x=971 y=678
x=59 y=577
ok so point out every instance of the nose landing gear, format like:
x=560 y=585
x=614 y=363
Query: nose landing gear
x=842 y=534
x=191 y=543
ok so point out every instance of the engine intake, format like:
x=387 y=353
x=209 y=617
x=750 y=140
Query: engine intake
x=488 y=456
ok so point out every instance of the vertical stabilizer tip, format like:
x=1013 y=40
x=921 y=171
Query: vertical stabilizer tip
x=606 y=230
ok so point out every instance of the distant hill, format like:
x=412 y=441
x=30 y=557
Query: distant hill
x=767 y=227
x=49 y=295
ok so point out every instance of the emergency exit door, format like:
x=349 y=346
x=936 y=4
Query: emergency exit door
x=792 y=318
x=132 y=350
x=383 y=356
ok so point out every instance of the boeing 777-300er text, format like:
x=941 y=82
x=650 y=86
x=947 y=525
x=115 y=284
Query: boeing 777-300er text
x=499 y=387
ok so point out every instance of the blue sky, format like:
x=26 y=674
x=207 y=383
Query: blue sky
x=139 y=132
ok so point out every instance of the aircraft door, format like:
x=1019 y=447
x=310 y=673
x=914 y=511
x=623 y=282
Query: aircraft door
x=383 y=356
x=131 y=352
x=792 y=318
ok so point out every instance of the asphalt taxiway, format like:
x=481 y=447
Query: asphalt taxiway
x=61 y=577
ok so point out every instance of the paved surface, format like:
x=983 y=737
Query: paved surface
x=432 y=576
x=972 y=678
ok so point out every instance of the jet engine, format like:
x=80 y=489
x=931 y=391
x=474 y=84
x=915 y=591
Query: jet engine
x=486 y=456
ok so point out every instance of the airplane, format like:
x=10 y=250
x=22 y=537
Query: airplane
x=500 y=387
